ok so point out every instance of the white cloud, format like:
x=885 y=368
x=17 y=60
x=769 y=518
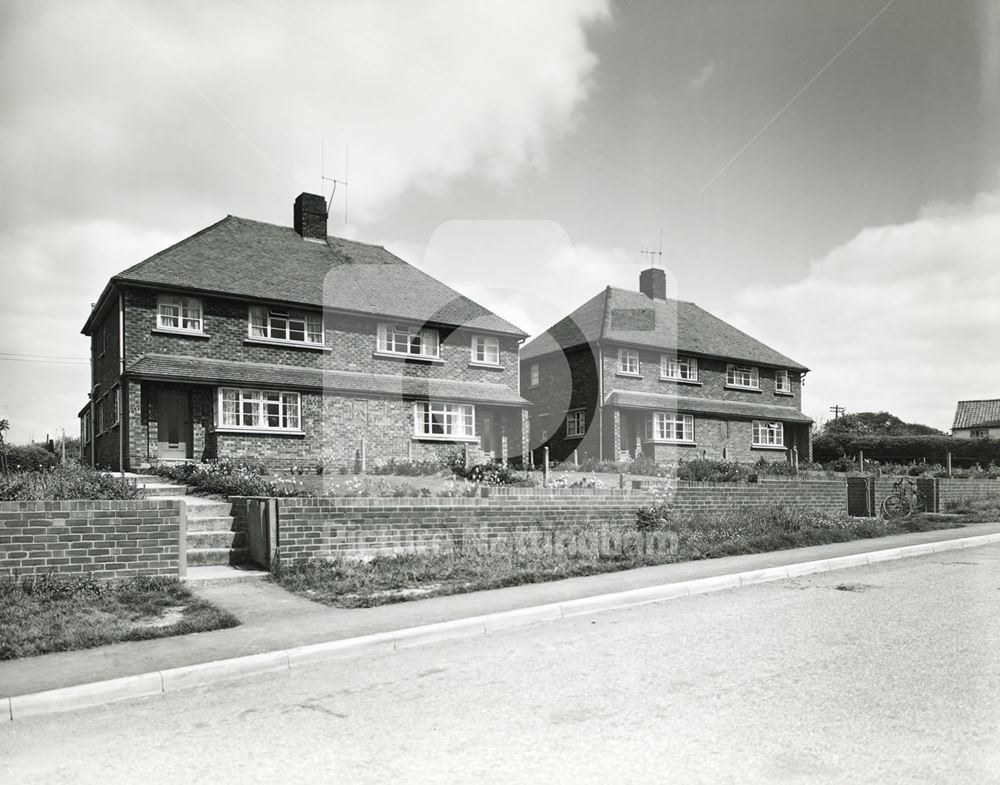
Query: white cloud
x=702 y=78
x=902 y=317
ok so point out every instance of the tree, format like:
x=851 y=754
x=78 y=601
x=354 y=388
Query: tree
x=877 y=424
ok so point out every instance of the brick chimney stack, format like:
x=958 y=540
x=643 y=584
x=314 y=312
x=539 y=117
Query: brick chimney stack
x=653 y=283
x=310 y=217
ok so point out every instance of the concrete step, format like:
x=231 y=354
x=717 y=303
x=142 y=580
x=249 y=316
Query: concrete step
x=215 y=574
x=159 y=490
x=210 y=524
x=215 y=539
x=199 y=557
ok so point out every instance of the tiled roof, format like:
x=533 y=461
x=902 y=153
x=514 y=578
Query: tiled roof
x=632 y=317
x=977 y=414
x=257 y=260
x=680 y=403
x=206 y=371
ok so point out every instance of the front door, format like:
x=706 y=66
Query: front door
x=490 y=443
x=172 y=425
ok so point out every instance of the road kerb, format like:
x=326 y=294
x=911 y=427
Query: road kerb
x=846 y=562
x=85 y=695
x=521 y=617
x=236 y=667
x=441 y=631
x=765 y=575
x=378 y=643
x=715 y=583
x=623 y=599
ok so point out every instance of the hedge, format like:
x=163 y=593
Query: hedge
x=906 y=449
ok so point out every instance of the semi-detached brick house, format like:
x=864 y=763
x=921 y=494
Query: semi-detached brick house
x=635 y=373
x=250 y=340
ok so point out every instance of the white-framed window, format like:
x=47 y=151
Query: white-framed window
x=486 y=349
x=628 y=361
x=768 y=434
x=408 y=340
x=85 y=428
x=178 y=313
x=681 y=368
x=782 y=382
x=742 y=376
x=667 y=427
x=979 y=433
x=443 y=420
x=576 y=423
x=534 y=374
x=259 y=409
x=286 y=324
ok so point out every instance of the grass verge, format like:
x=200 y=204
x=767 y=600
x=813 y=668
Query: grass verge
x=491 y=564
x=48 y=613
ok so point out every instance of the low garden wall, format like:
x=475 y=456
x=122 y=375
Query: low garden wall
x=106 y=539
x=956 y=490
x=327 y=527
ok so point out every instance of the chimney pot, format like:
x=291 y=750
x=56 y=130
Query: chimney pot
x=653 y=283
x=310 y=216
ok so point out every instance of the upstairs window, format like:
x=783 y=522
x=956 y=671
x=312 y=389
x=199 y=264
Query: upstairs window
x=782 y=382
x=666 y=427
x=259 y=409
x=576 y=423
x=628 y=361
x=456 y=420
x=534 y=375
x=742 y=376
x=285 y=324
x=486 y=349
x=683 y=369
x=411 y=341
x=178 y=313
x=768 y=434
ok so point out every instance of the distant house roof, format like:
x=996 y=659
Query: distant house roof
x=681 y=403
x=631 y=317
x=201 y=370
x=977 y=414
x=244 y=258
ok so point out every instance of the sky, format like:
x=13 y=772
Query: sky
x=825 y=176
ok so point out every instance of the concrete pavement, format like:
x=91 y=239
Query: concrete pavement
x=276 y=623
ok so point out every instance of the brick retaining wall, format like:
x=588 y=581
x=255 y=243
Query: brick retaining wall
x=951 y=489
x=326 y=527
x=106 y=539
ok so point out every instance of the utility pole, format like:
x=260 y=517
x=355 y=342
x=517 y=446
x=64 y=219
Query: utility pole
x=838 y=411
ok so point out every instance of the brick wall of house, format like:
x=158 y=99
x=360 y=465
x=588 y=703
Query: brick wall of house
x=326 y=527
x=106 y=539
x=105 y=373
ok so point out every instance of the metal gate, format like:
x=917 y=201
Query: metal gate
x=262 y=531
x=861 y=497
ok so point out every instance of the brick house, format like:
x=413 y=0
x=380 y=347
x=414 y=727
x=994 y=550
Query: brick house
x=977 y=420
x=635 y=373
x=251 y=340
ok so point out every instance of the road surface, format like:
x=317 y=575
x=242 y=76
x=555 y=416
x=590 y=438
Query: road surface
x=887 y=674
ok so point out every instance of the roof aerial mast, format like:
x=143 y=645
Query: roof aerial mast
x=324 y=179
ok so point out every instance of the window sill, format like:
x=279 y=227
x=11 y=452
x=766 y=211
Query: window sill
x=693 y=382
x=679 y=442
x=490 y=366
x=574 y=436
x=743 y=389
x=768 y=447
x=315 y=347
x=628 y=375
x=420 y=437
x=408 y=358
x=260 y=431
x=180 y=333
x=784 y=394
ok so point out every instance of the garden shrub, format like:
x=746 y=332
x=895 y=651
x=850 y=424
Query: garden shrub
x=229 y=477
x=905 y=449
x=709 y=470
x=490 y=473
x=65 y=482
x=408 y=468
x=29 y=458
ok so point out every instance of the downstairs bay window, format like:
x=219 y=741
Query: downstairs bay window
x=267 y=410
x=433 y=420
x=666 y=427
x=768 y=434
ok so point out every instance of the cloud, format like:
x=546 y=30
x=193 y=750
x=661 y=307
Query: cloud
x=143 y=122
x=901 y=317
x=702 y=78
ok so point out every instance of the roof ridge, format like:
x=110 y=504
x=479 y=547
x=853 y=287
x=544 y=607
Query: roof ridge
x=641 y=294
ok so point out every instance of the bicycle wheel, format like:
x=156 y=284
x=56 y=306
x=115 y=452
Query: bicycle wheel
x=895 y=506
x=918 y=502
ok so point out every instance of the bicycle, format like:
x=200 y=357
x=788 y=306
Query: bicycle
x=903 y=503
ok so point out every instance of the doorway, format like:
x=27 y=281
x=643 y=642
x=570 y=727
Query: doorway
x=172 y=426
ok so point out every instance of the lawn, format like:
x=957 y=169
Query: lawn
x=49 y=613
x=475 y=566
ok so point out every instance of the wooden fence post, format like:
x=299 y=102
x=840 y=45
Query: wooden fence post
x=947 y=463
x=545 y=467
x=576 y=458
x=364 y=456
x=861 y=460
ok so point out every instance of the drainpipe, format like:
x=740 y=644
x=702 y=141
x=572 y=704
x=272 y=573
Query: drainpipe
x=600 y=402
x=121 y=385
